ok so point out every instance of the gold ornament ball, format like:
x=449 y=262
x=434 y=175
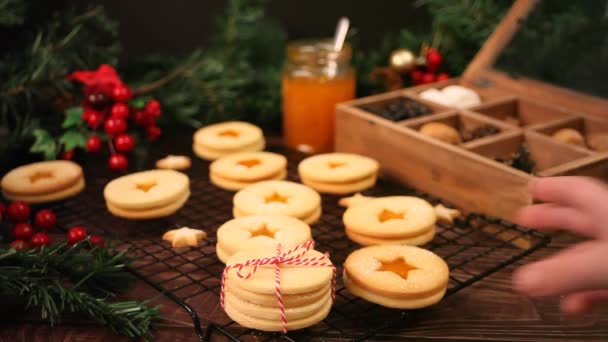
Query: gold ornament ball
x=402 y=60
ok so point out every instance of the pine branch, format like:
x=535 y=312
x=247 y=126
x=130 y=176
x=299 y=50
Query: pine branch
x=73 y=279
x=179 y=71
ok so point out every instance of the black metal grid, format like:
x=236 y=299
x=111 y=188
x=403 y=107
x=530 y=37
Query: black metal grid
x=473 y=247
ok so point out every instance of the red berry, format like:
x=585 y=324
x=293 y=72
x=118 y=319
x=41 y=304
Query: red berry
x=98 y=100
x=121 y=93
x=433 y=59
x=97 y=240
x=94 y=143
x=114 y=126
x=86 y=114
x=153 y=132
x=443 y=77
x=118 y=162
x=67 y=155
x=40 y=239
x=45 y=219
x=429 y=77
x=417 y=76
x=94 y=119
x=76 y=234
x=18 y=211
x=124 y=143
x=23 y=231
x=142 y=118
x=120 y=111
x=153 y=108
x=18 y=245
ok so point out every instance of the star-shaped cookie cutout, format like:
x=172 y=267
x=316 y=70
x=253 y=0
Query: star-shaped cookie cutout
x=354 y=200
x=184 y=236
x=446 y=215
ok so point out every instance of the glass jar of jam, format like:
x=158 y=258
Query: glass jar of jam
x=315 y=79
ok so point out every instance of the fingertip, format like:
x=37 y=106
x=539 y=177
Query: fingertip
x=527 y=280
x=522 y=216
x=574 y=305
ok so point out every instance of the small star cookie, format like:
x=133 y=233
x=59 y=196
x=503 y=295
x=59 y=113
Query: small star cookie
x=184 y=237
x=446 y=215
x=174 y=162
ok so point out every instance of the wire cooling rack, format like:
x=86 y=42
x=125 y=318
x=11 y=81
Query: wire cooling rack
x=474 y=247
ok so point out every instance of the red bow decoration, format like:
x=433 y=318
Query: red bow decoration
x=279 y=259
x=105 y=75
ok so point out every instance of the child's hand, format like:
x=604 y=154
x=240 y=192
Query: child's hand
x=578 y=273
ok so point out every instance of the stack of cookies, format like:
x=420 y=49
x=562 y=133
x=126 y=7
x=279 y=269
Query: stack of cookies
x=396 y=276
x=391 y=220
x=252 y=302
x=41 y=182
x=147 y=194
x=260 y=231
x=278 y=198
x=237 y=171
x=338 y=173
x=218 y=140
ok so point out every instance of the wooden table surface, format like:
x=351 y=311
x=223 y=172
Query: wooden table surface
x=489 y=310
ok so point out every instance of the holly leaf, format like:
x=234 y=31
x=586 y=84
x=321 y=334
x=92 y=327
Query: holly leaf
x=139 y=102
x=72 y=139
x=73 y=117
x=45 y=144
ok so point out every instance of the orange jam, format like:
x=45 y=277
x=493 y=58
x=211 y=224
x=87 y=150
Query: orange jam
x=315 y=80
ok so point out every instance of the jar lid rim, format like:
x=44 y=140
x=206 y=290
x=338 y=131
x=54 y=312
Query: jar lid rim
x=316 y=50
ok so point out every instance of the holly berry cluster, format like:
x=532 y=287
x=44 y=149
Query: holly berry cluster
x=108 y=104
x=24 y=228
x=108 y=110
x=429 y=71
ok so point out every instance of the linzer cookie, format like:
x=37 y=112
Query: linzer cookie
x=218 y=140
x=147 y=194
x=260 y=231
x=41 y=182
x=338 y=173
x=396 y=276
x=237 y=171
x=278 y=289
x=278 y=198
x=391 y=220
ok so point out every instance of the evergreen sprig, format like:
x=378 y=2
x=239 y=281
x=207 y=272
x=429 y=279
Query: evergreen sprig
x=74 y=279
x=237 y=77
x=43 y=42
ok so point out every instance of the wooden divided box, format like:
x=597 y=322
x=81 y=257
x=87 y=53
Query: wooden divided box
x=487 y=172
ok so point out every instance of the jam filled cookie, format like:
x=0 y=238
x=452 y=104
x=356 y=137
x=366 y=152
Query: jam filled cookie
x=396 y=276
x=252 y=302
x=278 y=198
x=262 y=231
x=43 y=181
x=147 y=194
x=338 y=173
x=239 y=170
x=218 y=140
x=391 y=220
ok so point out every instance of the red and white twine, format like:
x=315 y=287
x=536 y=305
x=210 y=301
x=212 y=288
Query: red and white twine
x=285 y=258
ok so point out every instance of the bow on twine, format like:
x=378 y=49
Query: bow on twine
x=286 y=258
